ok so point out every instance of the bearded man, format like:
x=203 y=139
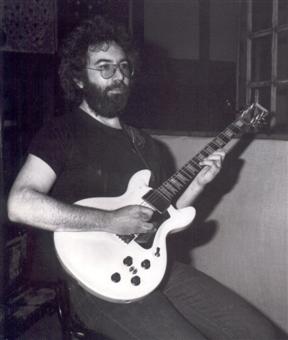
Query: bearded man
x=90 y=152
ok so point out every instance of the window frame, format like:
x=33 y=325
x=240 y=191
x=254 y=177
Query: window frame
x=274 y=83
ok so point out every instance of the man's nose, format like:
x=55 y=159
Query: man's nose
x=118 y=74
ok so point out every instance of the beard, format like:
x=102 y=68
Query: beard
x=105 y=102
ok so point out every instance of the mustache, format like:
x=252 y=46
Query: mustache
x=117 y=86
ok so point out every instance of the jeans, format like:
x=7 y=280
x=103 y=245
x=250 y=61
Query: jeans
x=188 y=305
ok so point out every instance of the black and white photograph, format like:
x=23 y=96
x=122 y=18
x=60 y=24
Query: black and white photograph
x=143 y=169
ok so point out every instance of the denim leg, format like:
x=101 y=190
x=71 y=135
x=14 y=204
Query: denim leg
x=215 y=310
x=152 y=318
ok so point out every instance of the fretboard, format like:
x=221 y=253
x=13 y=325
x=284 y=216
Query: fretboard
x=161 y=198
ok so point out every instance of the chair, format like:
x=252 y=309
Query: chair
x=72 y=328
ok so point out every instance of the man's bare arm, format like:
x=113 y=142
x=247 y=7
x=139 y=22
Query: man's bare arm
x=211 y=167
x=29 y=203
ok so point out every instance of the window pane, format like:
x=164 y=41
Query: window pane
x=283 y=12
x=283 y=55
x=262 y=95
x=261 y=59
x=282 y=112
x=261 y=14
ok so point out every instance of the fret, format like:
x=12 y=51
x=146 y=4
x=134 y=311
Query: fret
x=175 y=184
x=180 y=179
x=219 y=142
x=164 y=192
x=205 y=153
x=235 y=129
x=172 y=183
x=153 y=195
x=155 y=200
x=224 y=138
x=175 y=180
x=198 y=158
x=183 y=177
x=229 y=133
x=209 y=149
x=168 y=196
x=186 y=172
x=167 y=187
x=213 y=146
x=189 y=172
x=196 y=165
x=191 y=168
x=170 y=187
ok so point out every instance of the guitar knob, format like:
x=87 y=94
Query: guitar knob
x=146 y=264
x=128 y=261
x=135 y=280
x=115 y=277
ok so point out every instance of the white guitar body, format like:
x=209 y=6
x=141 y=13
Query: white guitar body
x=95 y=259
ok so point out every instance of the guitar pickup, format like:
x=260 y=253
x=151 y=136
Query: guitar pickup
x=157 y=201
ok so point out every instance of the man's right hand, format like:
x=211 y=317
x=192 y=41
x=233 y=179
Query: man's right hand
x=132 y=219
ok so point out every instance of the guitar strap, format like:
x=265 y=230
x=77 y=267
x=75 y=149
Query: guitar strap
x=137 y=142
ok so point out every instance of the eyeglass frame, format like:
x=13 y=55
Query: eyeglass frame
x=115 y=67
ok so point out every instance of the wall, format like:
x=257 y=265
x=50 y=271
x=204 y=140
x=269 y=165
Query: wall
x=183 y=87
x=224 y=29
x=241 y=234
x=173 y=25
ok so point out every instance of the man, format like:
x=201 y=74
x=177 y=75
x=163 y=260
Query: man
x=92 y=153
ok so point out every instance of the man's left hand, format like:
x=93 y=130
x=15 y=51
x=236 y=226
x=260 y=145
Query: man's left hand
x=211 y=167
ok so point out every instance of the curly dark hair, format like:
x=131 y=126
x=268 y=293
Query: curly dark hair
x=73 y=54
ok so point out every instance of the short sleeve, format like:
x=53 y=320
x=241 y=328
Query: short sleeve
x=52 y=144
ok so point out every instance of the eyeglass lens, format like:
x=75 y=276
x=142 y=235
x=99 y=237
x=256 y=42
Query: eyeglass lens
x=109 y=70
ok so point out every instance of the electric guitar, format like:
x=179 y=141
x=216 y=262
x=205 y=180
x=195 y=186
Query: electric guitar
x=125 y=268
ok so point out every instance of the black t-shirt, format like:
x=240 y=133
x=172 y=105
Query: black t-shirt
x=93 y=160
x=90 y=160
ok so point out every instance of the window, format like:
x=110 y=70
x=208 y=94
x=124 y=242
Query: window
x=266 y=37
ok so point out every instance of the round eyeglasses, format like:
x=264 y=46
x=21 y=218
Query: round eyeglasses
x=107 y=70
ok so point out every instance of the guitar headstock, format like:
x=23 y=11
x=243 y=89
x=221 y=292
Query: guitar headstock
x=255 y=116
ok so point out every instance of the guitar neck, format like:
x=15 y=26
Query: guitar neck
x=162 y=197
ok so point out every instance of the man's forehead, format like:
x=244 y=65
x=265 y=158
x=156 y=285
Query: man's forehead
x=108 y=49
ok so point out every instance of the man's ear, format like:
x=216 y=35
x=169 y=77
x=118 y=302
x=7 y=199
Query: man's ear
x=79 y=83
